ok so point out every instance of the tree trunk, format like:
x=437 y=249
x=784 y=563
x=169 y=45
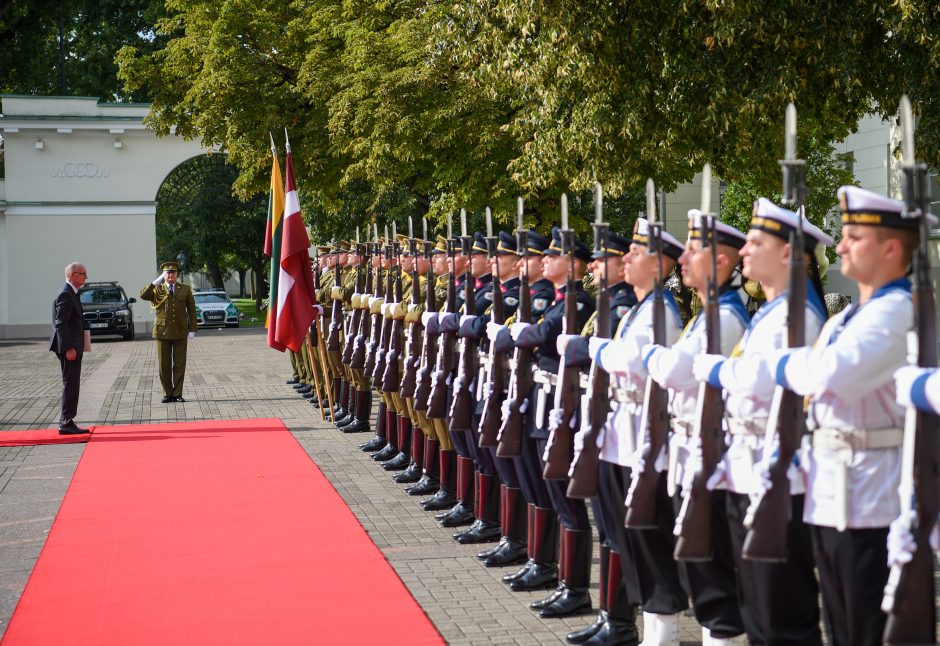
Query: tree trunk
x=215 y=275
x=241 y=282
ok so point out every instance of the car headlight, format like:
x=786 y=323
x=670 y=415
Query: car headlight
x=198 y=310
x=123 y=313
x=231 y=309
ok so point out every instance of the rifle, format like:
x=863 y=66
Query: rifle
x=391 y=376
x=694 y=522
x=583 y=472
x=336 y=315
x=429 y=343
x=641 y=498
x=496 y=366
x=357 y=360
x=462 y=402
x=356 y=315
x=375 y=336
x=769 y=514
x=409 y=381
x=909 y=595
x=560 y=448
x=520 y=376
x=437 y=400
x=381 y=352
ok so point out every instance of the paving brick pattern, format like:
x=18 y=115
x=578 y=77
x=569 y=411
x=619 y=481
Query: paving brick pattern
x=232 y=374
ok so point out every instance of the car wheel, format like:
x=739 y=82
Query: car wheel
x=129 y=335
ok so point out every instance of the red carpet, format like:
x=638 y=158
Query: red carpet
x=209 y=533
x=44 y=436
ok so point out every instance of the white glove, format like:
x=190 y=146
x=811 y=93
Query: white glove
x=159 y=279
x=904 y=379
x=466 y=317
x=762 y=472
x=516 y=329
x=718 y=477
x=459 y=382
x=493 y=330
x=488 y=390
x=372 y=300
x=427 y=317
x=191 y=336
x=506 y=408
x=660 y=464
x=554 y=418
x=524 y=406
x=703 y=364
x=562 y=342
x=901 y=542
x=319 y=309
x=594 y=345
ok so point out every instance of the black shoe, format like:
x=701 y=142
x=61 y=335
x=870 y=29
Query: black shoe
x=179 y=399
x=411 y=474
x=443 y=499
x=398 y=463
x=339 y=411
x=485 y=554
x=309 y=394
x=518 y=574
x=375 y=444
x=387 y=453
x=425 y=486
x=358 y=426
x=480 y=532
x=511 y=553
x=168 y=400
x=461 y=514
x=315 y=401
x=570 y=602
x=540 y=575
x=549 y=600
x=299 y=386
x=581 y=636
x=72 y=429
x=615 y=633
x=304 y=389
x=292 y=381
x=346 y=419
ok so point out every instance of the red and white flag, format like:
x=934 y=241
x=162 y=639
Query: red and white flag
x=296 y=297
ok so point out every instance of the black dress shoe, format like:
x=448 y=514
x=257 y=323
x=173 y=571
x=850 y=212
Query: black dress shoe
x=348 y=418
x=570 y=602
x=375 y=444
x=299 y=386
x=480 y=531
x=549 y=600
x=425 y=486
x=511 y=553
x=292 y=381
x=357 y=426
x=485 y=554
x=179 y=399
x=615 y=633
x=168 y=400
x=518 y=574
x=461 y=514
x=304 y=389
x=539 y=575
x=315 y=401
x=581 y=636
x=443 y=499
x=387 y=453
x=398 y=463
x=411 y=474
x=308 y=395
x=72 y=430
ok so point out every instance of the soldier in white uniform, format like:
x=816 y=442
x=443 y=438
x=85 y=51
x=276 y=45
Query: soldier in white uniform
x=778 y=600
x=852 y=459
x=711 y=585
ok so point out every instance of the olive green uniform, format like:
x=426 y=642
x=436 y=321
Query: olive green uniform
x=175 y=318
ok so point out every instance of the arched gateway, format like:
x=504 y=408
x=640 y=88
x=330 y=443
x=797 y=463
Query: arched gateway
x=80 y=183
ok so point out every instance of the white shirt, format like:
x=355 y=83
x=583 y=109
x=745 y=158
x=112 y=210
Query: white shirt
x=849 y=375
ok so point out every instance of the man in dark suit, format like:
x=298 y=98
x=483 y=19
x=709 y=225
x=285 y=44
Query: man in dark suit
x=68 y=342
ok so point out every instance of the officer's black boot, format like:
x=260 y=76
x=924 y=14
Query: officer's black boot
x=620 y=627
x=574 y=598
x=529 y=547
x=486 y=527
x=363 y=408
x=428 y=483
x=349 y=417
x=462 y=512
x=557 y=592
x=377 y=442
x=512 y=546
x=400 y=461
x=413 y=472
x=391 y=438
x=337 y=385
x=445 y=497
x=544 y=571
x=581 y=636
x=304 y=389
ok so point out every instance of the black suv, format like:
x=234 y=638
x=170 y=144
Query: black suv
x=107 y=309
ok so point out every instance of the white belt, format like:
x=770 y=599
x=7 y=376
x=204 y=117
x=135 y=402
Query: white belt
x=545 y=378
x=741 y=426
x=857 y=439
x=624 y=396
x=585 y=381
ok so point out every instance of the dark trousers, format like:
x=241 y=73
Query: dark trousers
x=529 y=473
x=711 y=584
x=779 y=601
x=171 y=357
x=572 y=512
x=71 y=383
x=853 y=571
x=505 y=469
x=610 y=513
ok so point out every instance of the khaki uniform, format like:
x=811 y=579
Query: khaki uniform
x=175 y=319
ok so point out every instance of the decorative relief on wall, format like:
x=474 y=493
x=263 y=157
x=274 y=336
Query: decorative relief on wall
x=80 y=169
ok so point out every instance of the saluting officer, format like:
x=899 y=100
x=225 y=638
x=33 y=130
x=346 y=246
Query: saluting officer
x=175 y=311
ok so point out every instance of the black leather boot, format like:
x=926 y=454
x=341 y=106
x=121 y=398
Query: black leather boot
x=581 y=636
x=350 y=415
x=558 y=591
x=462 y=513
x=486 y=527
x=310 y=394
x=413 y=472
x=363 y=409
x=529 y=547
x=457 y=516
x=391 y=437
x=544 y=571
x=620 y=627
x=410 y=475
x=304 y=389
x=403 y=458
x=513 y=523
x=428 y=483
x=576 y=553
x=378 y=442
x=292 y=381
x=445 y=497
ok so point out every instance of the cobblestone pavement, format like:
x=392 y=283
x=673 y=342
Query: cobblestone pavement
x=232 y=374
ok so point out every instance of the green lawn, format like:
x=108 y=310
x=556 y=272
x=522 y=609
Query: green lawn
x=250 y=316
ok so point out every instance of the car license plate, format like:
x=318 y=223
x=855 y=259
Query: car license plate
x=215 y=316
x=97 y=325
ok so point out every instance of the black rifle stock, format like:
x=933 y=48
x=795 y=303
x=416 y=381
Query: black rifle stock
x=462 y=402
x=694 y=522
x=496 y=374
x=509 y=439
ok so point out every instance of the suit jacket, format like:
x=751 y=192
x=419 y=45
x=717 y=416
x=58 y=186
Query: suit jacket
x=175 y=314
x=68 y=323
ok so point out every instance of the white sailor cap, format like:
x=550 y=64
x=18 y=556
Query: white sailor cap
x=725 y=233
x=860 y=206
x=641 y=236
x=780 y=222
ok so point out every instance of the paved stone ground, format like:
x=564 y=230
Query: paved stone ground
x=232 y=374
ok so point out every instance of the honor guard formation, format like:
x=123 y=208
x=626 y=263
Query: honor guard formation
x=742 y=464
